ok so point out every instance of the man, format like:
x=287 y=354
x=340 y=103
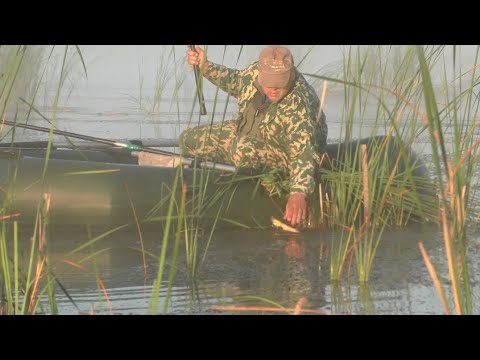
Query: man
x=278 y=123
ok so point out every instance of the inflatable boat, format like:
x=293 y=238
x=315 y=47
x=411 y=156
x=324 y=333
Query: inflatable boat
x=107 y=186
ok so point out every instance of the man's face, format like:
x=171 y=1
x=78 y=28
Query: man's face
x=275 y=93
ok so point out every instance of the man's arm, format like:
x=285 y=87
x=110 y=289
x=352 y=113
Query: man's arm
x=303 y=156
x=229 y=80
x=300 y=129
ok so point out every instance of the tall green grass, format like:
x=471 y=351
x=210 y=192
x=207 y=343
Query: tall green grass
x=375 y=186
x=456 y=163
x=23 y=69
x=408 y=104
x=153 y=304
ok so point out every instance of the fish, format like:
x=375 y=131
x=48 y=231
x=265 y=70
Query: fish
x=283 y=226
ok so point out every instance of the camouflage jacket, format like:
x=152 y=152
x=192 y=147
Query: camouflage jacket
x=290 y=124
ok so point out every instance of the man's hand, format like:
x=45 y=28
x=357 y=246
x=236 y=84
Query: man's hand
x=197 y=57
x=296 y=209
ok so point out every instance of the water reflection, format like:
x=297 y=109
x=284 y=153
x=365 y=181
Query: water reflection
x=295 y=272
x=242 y=268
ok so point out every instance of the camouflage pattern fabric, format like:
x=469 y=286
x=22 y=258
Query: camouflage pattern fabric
x=294 y=134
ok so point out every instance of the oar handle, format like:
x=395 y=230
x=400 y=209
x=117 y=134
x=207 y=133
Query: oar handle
x=201 y=99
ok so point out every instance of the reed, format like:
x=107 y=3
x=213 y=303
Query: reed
x=339 y=254
x=22 y=69
x=11 y=80
x=23 y=291
x=169 y=69
x=375 y=187
x=365 y=300
x=39 y=278
x=455 y=163
x=153 y=304
x=176 y=245
x=341 y=298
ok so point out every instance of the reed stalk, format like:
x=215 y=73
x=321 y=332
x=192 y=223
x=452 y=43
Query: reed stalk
x=453 y=172
x=154 y=297
x=368 y=193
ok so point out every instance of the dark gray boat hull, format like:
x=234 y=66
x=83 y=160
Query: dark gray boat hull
x=106 y=188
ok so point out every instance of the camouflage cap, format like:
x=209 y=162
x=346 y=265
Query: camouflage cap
x=275 y=67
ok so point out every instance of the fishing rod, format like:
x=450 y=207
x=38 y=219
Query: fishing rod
x=129 y=146
x=168 y=143
x=198 y=75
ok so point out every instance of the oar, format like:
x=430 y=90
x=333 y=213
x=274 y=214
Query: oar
x=198 y=75
x=129 y=146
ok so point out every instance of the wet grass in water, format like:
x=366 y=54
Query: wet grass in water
x=31 y=283
x=153 y=304
x=370 y=191
x=454 y=169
